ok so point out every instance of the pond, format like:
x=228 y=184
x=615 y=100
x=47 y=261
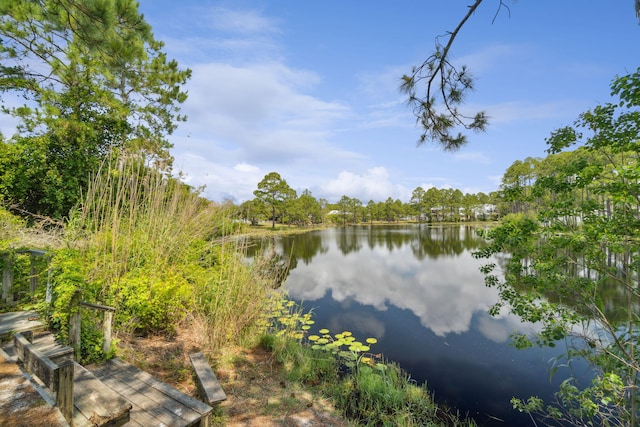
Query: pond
x=419 y=291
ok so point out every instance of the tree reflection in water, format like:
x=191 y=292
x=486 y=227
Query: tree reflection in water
x=419 y=291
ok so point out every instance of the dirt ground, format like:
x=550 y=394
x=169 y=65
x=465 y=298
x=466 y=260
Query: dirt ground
x=20 y=404
x=257 y=393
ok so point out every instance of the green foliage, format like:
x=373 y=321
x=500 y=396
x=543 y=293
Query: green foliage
x=91 y=350
x=96 y=83
x=158 y=253
x=69 y=285
x=150 y=300
x=274 y=192
x=443 y=88
x=154 y=250
x=558 y=267
x=45 y=175
x=375 y=397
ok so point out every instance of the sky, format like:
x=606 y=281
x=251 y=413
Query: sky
x=310 y=89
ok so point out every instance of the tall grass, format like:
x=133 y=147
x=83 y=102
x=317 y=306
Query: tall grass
x=160 y=253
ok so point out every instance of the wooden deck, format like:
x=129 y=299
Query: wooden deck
x=152 y=402
x=19 y=321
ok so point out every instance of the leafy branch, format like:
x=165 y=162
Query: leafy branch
x=444 y=83
x=436 y=90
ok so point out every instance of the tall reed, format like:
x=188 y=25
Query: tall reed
x=159 y=252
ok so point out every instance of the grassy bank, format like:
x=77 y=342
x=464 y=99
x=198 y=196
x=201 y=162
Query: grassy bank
x=362 y=385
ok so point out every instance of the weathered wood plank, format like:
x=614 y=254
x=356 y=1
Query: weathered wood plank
x=58 y=378
x=51 y=348
x=106 y=331
x=173 y=393
x=96 y=401
x=19 y=321
x=137 y=417
x=64 y=397
x=207 y=382
x=148 y=397
x=36 y=362
x=146 y=409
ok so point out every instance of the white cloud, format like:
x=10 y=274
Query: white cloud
x=256 y=114
x=261 y=106
x=472 y=156
x=221 y=181
x=243 y=167
x=241 y=21
x=374 y=184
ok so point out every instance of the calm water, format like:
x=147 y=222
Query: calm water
x=418 y=290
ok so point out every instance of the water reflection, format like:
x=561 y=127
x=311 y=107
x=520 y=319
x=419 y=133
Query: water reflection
x=419 y=291
x=430 y=273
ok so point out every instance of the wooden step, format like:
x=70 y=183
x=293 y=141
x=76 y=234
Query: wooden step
x=53 y=349
x=95 y=403
x=155 y=403
x=211 y=391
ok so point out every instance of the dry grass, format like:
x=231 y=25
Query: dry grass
x=257 y=392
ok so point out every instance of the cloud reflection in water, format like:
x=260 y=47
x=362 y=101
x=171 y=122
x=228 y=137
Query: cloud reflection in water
x=443 y=292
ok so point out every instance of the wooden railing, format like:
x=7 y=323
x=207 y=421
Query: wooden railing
x=59 y=378
x=75 y=323
x=75 y=320
x=8 y=276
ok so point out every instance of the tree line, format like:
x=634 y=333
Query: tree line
x=527 y=186
x=276 y=201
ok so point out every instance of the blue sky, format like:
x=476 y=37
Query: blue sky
x=309 y=89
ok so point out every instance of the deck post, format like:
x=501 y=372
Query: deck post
x=75 y=323
x=49 y=292
x=64 y=397
x=7 y=278
x=33 y=276
x=107 y=320
x=106 y=331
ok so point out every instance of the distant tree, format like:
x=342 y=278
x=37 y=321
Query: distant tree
x=517 y=182
x=436 y=89
x=343 y=206
x=273 y=191
x=324 y=208
x=393 y=209
x=307 y=209
x=417 y=202
x=469 y=203
x=251 y=210
x=289 y=206
x=433 y=203
x=371 y=211
x=355 y=205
